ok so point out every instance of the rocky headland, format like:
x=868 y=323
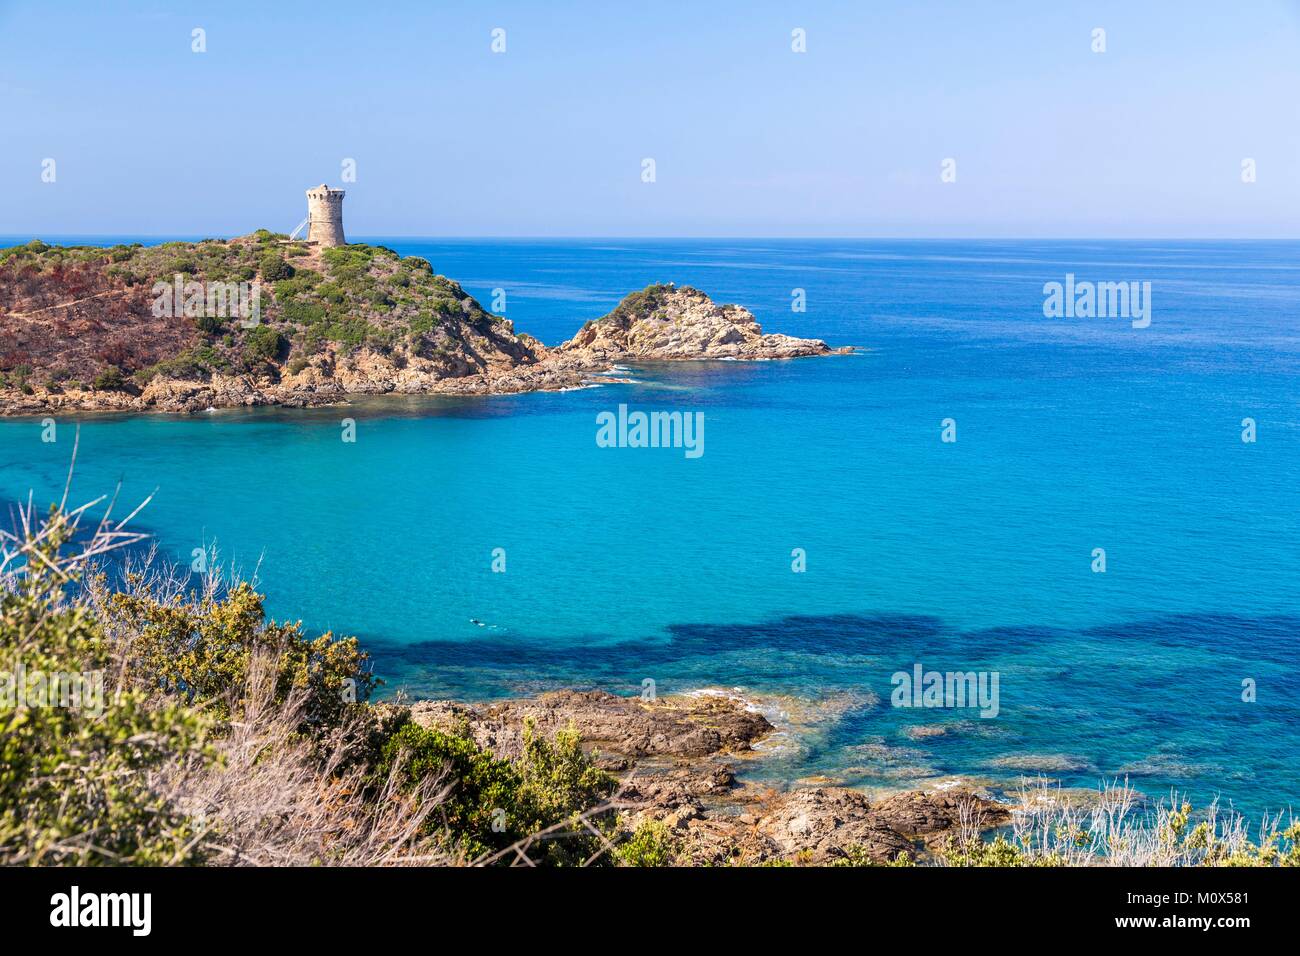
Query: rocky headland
x=99 y=329
x=677 y=761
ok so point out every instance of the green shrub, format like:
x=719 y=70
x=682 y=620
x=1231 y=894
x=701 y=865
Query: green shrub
x=559 y=780
x=287 y=289
x=349 y=273
x=300 y=284
x=197 y=362
x=19 y=374
x=857 y=856
x=999 y=852
x=263 y=343
x=331 y=292
x=303 y=313
x=274 y=268
x=638 y=305
x=651 y=844
x=200 y=651
x=494 y=803
x=481 y=812
x=109 y=379
x=74 y=779
x=348 y=332
x=209 y=324
x=445 y=306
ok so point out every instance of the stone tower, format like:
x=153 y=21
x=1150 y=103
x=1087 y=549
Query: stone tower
x=325 y=216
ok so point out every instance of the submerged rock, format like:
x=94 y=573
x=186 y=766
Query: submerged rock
x=1044 y=763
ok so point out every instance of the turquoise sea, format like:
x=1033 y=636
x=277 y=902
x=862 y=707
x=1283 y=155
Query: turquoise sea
x=628 y=564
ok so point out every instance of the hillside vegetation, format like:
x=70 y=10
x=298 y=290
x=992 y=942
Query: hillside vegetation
x=84 y=317
x=177 y=328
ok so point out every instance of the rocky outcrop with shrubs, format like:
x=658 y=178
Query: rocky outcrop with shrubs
x=82 y=329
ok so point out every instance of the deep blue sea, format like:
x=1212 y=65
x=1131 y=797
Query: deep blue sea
x=628 y=564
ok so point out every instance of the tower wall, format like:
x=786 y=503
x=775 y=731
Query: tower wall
x=325 y=216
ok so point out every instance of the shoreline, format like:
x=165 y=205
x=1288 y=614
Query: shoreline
x=797 y=726
x=239 y=393
x=681 y=759
x=22 y=405
x=337 y=324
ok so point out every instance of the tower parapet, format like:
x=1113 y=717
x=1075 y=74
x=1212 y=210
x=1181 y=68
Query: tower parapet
x=325 y=216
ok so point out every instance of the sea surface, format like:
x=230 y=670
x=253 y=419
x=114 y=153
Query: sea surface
x=628 y=565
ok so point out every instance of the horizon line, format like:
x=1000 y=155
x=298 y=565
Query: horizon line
x=659 y=238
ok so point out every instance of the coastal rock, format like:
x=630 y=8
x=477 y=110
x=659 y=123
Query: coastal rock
x=670 y=757
x=671 y=323
x=826 y=823
x=934 y=815
x=818 y=825
x=80 y=331
x=661 y=791
x=693 y=726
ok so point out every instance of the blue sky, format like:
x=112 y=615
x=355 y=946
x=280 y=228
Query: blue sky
x=748 y=137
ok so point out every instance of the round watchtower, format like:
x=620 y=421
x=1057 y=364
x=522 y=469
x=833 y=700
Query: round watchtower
x=325 y=216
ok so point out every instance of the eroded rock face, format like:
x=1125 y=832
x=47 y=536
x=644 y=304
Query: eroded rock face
x=933 y=816
x=671 y=323
x=474 y=356
x=676 y=760
x=824 y=823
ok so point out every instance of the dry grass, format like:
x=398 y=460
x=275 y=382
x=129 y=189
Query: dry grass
x=1116 y=829
x=272 y=798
